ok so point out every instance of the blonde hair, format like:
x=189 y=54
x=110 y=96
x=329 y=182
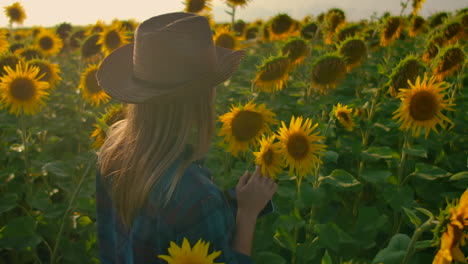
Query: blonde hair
x=141 y=148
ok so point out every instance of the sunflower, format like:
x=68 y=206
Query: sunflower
x=327 y=71
x=90 y=88
x=64 y=30
x=407 y=69
x=49 y=43
x=334 y=21
x=417 y=6
x=354 y=52
x=112 y=115
x=90 y=46
x=197 y=6
x=4 y=44
x=239 y=27
x=243 y=125
x=422 y=105
x=49 y=71
x=96 y=28
x=15 y=13
x=111 y=38
x=299 y=146
x=76 y=38
x=8 y=60
x=348 y=31
x=251 y=32
x=22 y=90
x=452 y=32
x=448 y=61
x=438 y=19
x=30 y=52
x=309 y=30
x=391 y=30
x=226 y=39
x=241 y=3
x=418 y=25
x=281 y=25
x=296 y=49
x=432 y=48
x=268 y=157
x=344 y=115
x=186 y=254
x=272 y=74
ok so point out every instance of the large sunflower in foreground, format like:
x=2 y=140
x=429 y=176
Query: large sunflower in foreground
x=187 y=254
x=15 y=13
x=49 y=43
x=300 y=146
x=269 y=157
x=21 y=90
x=344 y=115
x=448 y=61
x=422 y=105
x=244 y=125
x=92 y=92
x=49 y=71
x=111 y=38
x=272 y=74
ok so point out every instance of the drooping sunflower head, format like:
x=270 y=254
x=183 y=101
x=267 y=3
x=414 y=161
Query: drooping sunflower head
x=21 y=35
x=48 y=42
x=438 y=19
x=241 y=3
x=432 y=48
x=452 y=32
x=348 y=31
x=90 y=46
x=272 y=74
x=30 y=52
x=448 y=61
x=128 y=25
x=64 y=30
x=113 y=114
x=21 y=89
x=407 y=70
x=49 y=71
x=422 y=105
x=296 y=49
x=225 y=38
x=76 y=38
x=308 y=30
x=8 y=59
x=244 y=125
x=197 y=6
x=334 y=21
x=354 y=51
x=111 y=38
x=15 y=46
x=344 y=115
x=327 y=71
x=300 y=146
x=269 y=157
x=266 y=35
x=391 y=30
x=418 y=25
x=239 y=27
x=187 y=254
x=251 y=32
x=89 y=87
x=281 y=25
x=15 y=13
x=96 y=28
x=417 y=6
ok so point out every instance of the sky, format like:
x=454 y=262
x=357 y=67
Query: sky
x=84 y=12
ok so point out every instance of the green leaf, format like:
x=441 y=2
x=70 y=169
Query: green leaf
x=331 y=156
x=376 y=153
x=19 y=233
x=341 y=179
x=416 y=150
x=58 y=168
x=269 y=257
x=326 y=259
x=8 y=202
x=413 y=217
x=311 y=195
x=84 y=221
x=398 y=197
x=423 y=244
x=331 y=236
x=375 y=176
x=395 y=252
x=463 y=175
x=429 y=172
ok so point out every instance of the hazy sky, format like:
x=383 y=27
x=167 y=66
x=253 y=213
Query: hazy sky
x=84 y=12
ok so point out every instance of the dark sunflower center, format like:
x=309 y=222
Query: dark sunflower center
x=418 y=22
x=297 y=146
x=113 y=40
x=14 y=14
x=309 y=30
x=295 y=49
x=423 y=106
x=195 y=6
x=90 y=46
x=274 y=70
x=281 y=24
x=225 y=41
x=46 y=43
x=22 y=89
x=354 y=51
x=30 y=54
x=44 y=70
x=344 y=116
x=391 y=28
x=91 y=83
x=452 y=58
x=268 y=157
x=409 y=71
x=246 y=125
x=329 y=71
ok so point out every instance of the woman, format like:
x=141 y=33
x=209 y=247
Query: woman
x=151 y=187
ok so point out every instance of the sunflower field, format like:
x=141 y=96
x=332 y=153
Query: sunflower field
x=363 y=125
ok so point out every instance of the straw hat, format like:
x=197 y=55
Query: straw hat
x=172 y=55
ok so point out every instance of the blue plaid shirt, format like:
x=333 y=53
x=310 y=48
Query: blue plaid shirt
x=198 y=210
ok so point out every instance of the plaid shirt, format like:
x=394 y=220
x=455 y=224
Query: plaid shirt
x=198 y=210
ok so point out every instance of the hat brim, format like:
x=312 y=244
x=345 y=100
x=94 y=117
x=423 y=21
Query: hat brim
x=115 y=77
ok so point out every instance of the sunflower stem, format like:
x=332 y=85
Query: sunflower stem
x=416 y=235
x=401 y=169
x=403 y=6
x=24 y=141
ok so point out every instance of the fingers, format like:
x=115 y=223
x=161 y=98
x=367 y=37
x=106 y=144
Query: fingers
x=243 y=179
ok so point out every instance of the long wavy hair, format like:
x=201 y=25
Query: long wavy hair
x=140 y=148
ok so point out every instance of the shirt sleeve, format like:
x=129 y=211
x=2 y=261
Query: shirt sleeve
x=212 y=221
